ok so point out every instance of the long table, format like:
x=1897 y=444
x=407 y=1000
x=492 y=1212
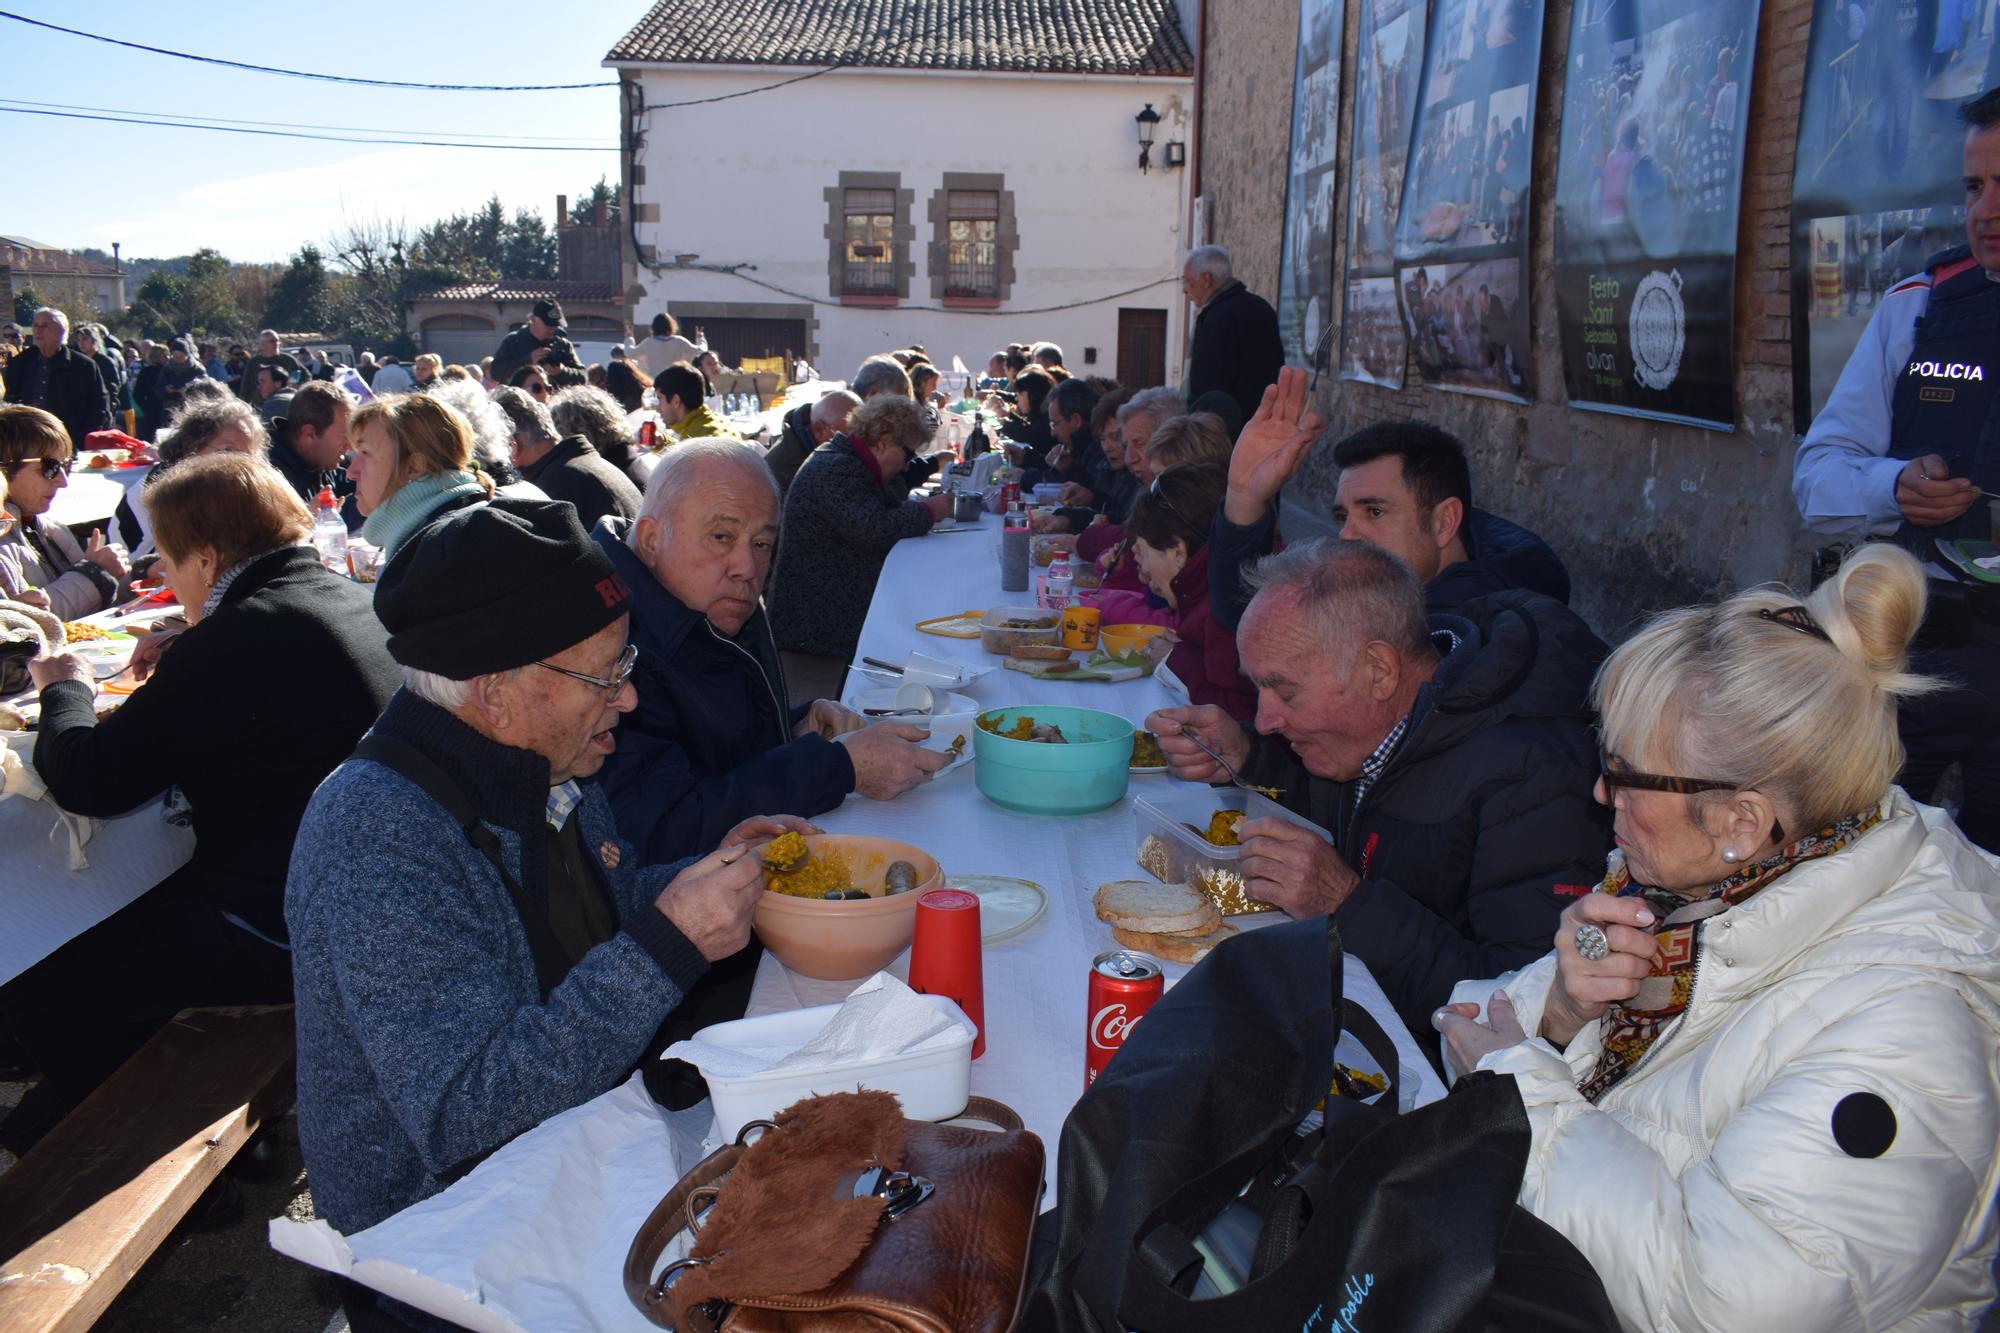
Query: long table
x=43 y=903
x=532 y=1238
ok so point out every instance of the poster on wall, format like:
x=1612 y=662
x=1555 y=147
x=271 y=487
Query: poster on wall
x=1305 y=282
x=1461 y=231
x=1655 y=104
x=1388 y=61
x=1876 y=190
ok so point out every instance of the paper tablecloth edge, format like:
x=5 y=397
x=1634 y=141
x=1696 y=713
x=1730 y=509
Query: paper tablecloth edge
x=317 y=1243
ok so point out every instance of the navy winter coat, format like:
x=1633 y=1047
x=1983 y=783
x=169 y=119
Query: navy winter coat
x=710 y=743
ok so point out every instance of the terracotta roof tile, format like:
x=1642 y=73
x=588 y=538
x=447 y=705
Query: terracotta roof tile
x=523 y=289
x=1034 y=36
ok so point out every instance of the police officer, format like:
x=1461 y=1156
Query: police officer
x=1906 y=443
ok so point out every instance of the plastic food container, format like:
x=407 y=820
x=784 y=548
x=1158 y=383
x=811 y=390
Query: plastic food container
x=1046 y=493
x=1035 y=778
x=996 y=639
x=932 y=1085
x=1176 y=854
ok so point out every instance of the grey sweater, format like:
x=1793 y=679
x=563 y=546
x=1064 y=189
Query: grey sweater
x=423 y=1039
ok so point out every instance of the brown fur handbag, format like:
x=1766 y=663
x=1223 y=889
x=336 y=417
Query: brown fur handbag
x=845 y=1217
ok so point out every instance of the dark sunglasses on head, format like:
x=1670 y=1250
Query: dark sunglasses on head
x=1168 y=505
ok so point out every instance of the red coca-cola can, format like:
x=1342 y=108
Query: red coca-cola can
x=1010 y=495
x=1123 y=986
x=649 y=432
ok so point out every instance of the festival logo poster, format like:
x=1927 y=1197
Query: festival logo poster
x=1305 y=282
x=1461 y=231
x=1389 y=61
x=1877 y=187
x=1655 y=105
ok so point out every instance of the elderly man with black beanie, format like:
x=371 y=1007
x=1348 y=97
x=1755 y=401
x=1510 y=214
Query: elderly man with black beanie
x=474 y=947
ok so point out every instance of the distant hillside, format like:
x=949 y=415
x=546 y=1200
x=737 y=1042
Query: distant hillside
x=137 y=270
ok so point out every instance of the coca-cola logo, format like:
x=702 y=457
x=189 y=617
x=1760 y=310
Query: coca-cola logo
x=1110 y=1025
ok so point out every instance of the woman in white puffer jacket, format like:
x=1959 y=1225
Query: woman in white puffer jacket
x=1762 y=1066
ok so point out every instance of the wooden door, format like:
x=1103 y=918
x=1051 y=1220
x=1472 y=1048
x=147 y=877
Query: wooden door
x=1142 y=348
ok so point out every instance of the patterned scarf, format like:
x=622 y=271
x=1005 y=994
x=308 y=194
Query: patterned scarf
x=1629 y=1030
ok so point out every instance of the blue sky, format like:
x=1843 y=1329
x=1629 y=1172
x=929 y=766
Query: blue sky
x=164 y=191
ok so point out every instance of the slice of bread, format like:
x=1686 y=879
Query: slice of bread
x=1174 y=948
x=1152 y=907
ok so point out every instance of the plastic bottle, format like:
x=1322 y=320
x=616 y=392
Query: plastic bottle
x=330 y=531
x=1061 y=583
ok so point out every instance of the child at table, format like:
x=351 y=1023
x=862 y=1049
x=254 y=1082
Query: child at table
x=1168 y=534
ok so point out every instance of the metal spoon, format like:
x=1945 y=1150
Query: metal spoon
x=1269 y=793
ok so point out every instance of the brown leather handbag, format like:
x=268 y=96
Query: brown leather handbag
x=845 y=1217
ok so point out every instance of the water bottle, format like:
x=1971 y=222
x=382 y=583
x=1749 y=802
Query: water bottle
x=1061 y=584
x=330 y=531
x=729 y=404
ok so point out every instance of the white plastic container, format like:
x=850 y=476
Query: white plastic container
x=932 y=1085
x=1175 y=854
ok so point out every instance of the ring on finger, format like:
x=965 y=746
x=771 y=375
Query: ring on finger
x=1592 y=942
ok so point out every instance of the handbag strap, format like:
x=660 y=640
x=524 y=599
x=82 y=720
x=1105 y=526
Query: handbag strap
x=671 y=1216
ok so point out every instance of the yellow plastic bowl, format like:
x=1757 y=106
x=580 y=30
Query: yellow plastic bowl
x=1124 y=638
x=844 y=941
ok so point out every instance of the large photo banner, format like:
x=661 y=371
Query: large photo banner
x=1656 y=101
x=1388 y=62
x=1461 y=230
x=1305 y=280
x=1877 y=189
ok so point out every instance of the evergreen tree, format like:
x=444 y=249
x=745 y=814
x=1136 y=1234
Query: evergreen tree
x=302 y=298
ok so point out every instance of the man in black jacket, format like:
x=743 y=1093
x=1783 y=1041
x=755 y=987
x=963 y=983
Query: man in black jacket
x=59 y=379
x=1236 y=346
x=1451 y=757
x=1404 y=485
x=807 y=427
x=543 y=341
x=565 y=468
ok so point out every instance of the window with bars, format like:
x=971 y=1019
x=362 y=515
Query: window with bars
x=871 y=242
x=972 y=243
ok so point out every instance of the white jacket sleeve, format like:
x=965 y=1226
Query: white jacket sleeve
x=1842 y=481
x=1771 y=1225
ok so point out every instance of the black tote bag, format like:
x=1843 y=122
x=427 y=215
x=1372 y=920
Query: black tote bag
x=1395 y=1222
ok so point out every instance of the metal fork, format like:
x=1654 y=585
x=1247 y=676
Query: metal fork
x=1268 y=793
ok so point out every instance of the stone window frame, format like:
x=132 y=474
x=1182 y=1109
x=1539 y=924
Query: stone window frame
x=1006 y=234
x=902 y=234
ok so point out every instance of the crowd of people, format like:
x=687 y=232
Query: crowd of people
x=489 y=824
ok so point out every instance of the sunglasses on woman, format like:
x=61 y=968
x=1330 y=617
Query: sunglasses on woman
x=51 y=467
x=1168 y=505
x=1634 y=780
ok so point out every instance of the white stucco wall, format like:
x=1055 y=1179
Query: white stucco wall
x=744 y=180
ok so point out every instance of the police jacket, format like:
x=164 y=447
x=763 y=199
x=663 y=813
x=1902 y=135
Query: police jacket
x=1481 y=827
x=1938 y=393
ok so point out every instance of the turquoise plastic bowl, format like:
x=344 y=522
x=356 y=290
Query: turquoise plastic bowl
x=1086 y=775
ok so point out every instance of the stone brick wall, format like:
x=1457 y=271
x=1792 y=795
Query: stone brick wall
x=1648 y=515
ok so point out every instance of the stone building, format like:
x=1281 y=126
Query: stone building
x=70 y=283
x=810 y=176
x=1647 y=514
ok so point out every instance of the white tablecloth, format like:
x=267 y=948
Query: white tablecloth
x=534 y=1237
x=43 y=903
x=92 y=496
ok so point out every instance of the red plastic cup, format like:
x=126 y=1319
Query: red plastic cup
x=944 y=955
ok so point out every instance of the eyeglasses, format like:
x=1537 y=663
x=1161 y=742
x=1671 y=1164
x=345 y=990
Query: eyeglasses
x=621 y=673
x=538 y=389
x=1636 y=781
x=51 y=467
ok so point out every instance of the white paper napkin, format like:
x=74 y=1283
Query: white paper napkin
x=883 y=1017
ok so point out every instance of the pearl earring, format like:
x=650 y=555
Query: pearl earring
x=1729 y=855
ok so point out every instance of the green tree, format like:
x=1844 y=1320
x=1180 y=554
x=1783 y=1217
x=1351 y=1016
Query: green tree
x=302 y=298
x=466 y=244
x=528 y=249
x=208 y=301
x=26 y=303
x=583 y=212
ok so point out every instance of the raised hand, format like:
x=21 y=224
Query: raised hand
x=1271 y=447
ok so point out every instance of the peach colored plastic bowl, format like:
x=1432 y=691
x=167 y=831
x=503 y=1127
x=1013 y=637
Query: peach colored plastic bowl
x=844 y=941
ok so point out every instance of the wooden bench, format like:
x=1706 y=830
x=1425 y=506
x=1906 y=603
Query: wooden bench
x=83 y=1211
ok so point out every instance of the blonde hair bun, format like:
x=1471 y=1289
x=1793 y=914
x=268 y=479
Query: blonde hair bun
x=1871 y=608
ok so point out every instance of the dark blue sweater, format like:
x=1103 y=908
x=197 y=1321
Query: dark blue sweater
x=423 y=1039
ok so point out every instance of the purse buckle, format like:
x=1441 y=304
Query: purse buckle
x=900 y=1191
